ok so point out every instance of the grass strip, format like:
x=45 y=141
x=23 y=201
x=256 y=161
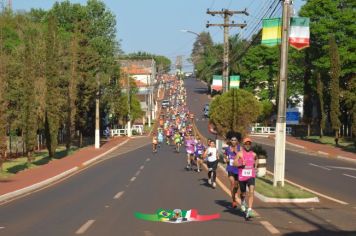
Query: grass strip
x=264 y=186
x=14 y=166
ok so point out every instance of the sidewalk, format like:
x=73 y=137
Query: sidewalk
x=36 y=178
x=322 y=149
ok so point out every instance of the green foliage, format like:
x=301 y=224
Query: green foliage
x=234 y=111
x=334 y=84
x=259 y=150
x=267 y=109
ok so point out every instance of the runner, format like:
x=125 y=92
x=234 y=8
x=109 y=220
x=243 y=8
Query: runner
x=177 y=140
x=189 y=147
x=212 y=161
x=160 y=137
x=232 y=171
x=199 y=150
x=154 y=143
x=247 y=164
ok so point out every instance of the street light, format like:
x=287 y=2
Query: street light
x=188 y=31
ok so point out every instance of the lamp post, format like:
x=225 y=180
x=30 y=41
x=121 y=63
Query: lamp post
x=189 y=31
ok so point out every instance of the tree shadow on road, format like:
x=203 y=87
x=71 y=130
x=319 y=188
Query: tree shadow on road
x=201 y=90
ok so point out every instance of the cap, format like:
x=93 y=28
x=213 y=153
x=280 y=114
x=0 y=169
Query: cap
x=247 y=140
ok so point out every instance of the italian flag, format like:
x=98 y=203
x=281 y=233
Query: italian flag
x=271 y=31
x=299 y=32
x=217 y=83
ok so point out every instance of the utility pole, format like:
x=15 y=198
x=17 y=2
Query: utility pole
x=280 y=142
x=226 y=13
x=129 y=133
x=97 y=114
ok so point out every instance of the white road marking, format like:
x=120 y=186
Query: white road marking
x=133 y=179
x=85 y=227
x=322 y=167
x=350 y=176
x=148 y=159
x=118 y=195
x=141 y=168
x=137 y=173
x=2 y=227
x=270 y=227
x=341 y=168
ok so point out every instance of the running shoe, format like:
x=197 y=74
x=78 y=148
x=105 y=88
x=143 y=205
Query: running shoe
x=249 y=213
x=214 y=185
x=243 y=207
x=209 y=181
x=198 y=170
x=234 y=204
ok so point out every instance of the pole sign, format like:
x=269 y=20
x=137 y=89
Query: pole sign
x=292 y=116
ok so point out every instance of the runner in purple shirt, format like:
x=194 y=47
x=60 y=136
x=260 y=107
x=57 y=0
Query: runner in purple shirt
x=230 y=156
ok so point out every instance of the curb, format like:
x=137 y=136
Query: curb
x=103 y=154
x=285 y=200
x=264 y=198
x=346 y=159
x=37 y=186
x=296 y=145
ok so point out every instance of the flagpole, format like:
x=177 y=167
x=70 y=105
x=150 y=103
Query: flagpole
x=280 y=140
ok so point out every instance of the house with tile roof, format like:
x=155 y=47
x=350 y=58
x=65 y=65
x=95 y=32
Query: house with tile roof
x=144 y=73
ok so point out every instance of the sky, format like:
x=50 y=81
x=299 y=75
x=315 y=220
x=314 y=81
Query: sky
x=155 y=26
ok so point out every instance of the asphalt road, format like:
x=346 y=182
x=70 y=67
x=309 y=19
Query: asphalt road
x=102 y=200
x=333 y=177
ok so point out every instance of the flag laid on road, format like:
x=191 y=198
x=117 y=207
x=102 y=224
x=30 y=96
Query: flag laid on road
x=271 y=31
x=176 y=216
x=299 y=32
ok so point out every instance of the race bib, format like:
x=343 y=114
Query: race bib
x=200 y=152
x=247 y=172
x=231 y=161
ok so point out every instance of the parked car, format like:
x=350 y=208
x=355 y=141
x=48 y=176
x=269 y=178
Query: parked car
x=165 y=103
x=206 y=110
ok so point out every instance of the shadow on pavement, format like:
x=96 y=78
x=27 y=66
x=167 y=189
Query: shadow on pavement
x=229 y=209
x=205 y=182
x=201 y=90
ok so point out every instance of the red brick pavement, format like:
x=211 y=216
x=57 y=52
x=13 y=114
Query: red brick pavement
x=55 y=167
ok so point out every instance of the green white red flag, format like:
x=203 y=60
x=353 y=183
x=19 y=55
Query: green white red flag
x=299 y=32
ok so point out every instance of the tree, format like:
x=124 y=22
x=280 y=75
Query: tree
x=234 y=111
x=334 y=87
x=53 y=96
x=320 y=92
x=29 y=102
x=332 y=17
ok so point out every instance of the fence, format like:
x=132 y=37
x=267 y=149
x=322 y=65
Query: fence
x=268 y=130
x=118 y=132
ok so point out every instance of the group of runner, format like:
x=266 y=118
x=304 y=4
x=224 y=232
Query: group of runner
x=175 y=127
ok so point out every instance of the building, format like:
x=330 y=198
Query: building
x=144 y=74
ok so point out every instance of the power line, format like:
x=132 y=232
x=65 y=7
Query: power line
x=227 y=14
